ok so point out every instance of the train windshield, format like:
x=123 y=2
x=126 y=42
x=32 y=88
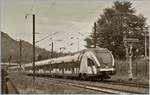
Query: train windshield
x=103 y=56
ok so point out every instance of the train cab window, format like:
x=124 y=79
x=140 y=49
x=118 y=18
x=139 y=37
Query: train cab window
x=90 y=62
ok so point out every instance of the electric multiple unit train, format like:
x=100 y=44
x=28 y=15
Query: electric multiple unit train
x=93 y=62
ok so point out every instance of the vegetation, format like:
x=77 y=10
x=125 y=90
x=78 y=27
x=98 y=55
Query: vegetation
x=10 y=50
x=114 y=24
x=140 y=70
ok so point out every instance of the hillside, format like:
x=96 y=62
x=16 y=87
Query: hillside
x=10 y=50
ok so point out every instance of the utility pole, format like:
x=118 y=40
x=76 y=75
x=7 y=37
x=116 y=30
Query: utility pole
x=20 y=54
x=60 y=50
x=33 y=47
x=52 y=50
x=145 y=43
x=95 y=38
x=33 y=55
x=17 y=62
x=78 y=44
x=9 y=59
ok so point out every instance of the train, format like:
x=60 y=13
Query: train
x=87 y=63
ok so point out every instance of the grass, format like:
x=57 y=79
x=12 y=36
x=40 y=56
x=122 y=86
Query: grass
x=140 y=70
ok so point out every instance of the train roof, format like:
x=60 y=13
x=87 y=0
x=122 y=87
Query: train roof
x=91 y=49
x=68 y=58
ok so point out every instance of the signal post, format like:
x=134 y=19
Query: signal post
x=129 y=42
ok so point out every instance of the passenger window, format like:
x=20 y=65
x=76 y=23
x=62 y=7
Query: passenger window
x=90 y=62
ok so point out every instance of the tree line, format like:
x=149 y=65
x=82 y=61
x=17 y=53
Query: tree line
x=116 y=23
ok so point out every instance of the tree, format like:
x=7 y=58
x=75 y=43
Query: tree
x=40 y=57
x=114 y=24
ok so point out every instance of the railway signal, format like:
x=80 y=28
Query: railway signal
x=129 y=42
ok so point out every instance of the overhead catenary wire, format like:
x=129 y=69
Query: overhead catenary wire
x=83 y=35
x=73 y=25
x=74 y=42
x=91 y=12
x=82 y=18
x=46 y=37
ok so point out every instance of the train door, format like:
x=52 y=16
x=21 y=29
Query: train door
x=91 y=67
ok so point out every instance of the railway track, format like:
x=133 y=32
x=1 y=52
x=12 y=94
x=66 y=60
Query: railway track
x=99 y=85
x=101 y=88
x=113 y=82
x=125 y=83
x=91 y=87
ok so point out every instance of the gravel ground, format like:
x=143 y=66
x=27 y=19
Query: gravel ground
x=54 y=86
x=139 y=79
x=45 y=86
x=107 y=85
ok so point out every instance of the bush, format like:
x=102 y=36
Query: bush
x=140 y=68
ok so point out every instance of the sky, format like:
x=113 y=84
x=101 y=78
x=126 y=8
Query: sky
x=67 y=18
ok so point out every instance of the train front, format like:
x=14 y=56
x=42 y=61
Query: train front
x=98 y=62
x=105 y=59
x=105 y=65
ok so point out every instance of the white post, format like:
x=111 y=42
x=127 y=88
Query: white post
x=130 y=62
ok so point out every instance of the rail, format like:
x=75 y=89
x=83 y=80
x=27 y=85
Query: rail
x=105 y=89
x=92 y=86
x=125 y=83
x=113 y=82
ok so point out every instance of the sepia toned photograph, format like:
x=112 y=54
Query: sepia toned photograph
x=74 y=46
